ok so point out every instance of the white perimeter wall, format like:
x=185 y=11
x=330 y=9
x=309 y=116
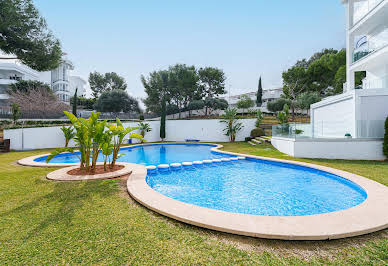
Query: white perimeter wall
x=352 y=149
x=210 y=130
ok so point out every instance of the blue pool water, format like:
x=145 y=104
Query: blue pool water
x=259 y=187
x=152 y=154
x=249 y=186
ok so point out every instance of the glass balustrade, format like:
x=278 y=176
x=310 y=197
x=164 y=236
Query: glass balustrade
x=362 y=8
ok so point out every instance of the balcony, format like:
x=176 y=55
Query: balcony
x=362 y=8
x=370 y=44
x=375 y=83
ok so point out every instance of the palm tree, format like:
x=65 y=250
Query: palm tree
x=144 y=128
x=233 y=126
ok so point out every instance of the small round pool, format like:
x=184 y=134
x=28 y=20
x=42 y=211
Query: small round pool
x=259 y=187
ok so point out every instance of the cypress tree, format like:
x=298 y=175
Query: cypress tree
x=385 y=144
x=75 y=102
x=163 y=120
x=259 y=95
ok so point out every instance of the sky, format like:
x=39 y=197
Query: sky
x=246 y=39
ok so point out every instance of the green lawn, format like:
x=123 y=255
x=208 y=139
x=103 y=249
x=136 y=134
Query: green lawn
x=46 y=222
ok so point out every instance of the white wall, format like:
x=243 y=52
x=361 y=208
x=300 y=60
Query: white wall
x=350 y=149
x=210 y=130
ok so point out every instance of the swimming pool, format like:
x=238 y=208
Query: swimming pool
x=152 y=154
x=258 y=187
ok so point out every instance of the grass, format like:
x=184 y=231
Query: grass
x=46 y=222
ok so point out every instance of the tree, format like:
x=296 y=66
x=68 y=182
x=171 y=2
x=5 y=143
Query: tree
x=86 y=103
x=24 y=33
x=38 y=103
x=15 y=109
x=233 y=126
x=212 y=104
x=144 y=128
x=259 y=118
x=294 y=83
x=75 y=102
x=211 y=83
x=245 y=102
x=277 y=105
x=117 y=101
x=24 y=86
x=385 y=144
x=183 y=85
x=100 y=83
x=306 y=99
x=68 y=133
x=259 y=95
x=163 y=121
x=195 y=105
x=284 y=115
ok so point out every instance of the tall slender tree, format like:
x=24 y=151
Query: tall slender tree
x=163 y=120
x=75 y=102
x=259 y=95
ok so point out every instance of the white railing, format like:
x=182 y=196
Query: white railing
x=362 y=8
x=375 y=83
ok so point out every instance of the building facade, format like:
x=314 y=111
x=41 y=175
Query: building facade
x=60 y=80
x=268 y=96
x=11 y=71
x=359 y=111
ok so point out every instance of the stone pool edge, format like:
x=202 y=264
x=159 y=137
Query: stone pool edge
x=367 y=217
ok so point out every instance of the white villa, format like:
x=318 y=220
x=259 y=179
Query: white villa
x=359 y=111
x=63 y=85
x=268 y=96
x=11 y=71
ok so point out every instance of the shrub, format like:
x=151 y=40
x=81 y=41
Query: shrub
x=257 y=132
x=248 y=139
x=385 y=145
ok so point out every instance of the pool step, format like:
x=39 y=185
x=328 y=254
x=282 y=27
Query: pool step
x=251 y=143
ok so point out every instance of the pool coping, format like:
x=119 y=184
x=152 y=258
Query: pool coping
x=367 y=217
x=62 y=175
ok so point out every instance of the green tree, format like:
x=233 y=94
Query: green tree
x=16 y=113
x=306 y=99
x=117 y=101
x=68 y=133
x=259 y=94
x=385 y=144
x=75 y=102
x=183 y=85
x=233 y=125
x=212 y=104
x=277 y=105
x=24 y=33
x=245 y=102
x=211 y=83
x=144 y=128
x=284 y=115
x=25 y=86
x=100 y=83
x=295 y=82
x=259 y=118
x=163 y=121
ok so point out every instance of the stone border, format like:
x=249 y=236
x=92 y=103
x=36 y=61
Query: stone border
x=62 y=175
x=367 y=217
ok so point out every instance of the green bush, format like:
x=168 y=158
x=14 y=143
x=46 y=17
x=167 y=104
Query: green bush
x=248 y=139
x=257 y=132
x=385 y=145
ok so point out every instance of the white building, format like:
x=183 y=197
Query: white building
x=268 y=96
x=358 y=111
x=11 y=71
x=60 y=80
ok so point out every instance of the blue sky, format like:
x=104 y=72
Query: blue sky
x=246 y=39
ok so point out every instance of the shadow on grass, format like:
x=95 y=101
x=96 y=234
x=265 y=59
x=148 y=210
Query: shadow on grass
x=66 y=198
